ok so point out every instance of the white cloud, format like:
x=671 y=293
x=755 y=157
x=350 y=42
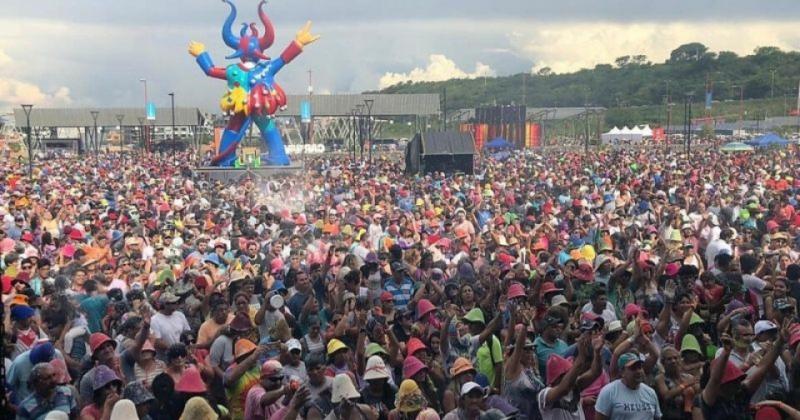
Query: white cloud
x=439 y=68
x=566 y=47
x=16 y=92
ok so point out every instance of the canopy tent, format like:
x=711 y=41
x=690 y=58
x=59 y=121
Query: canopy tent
x=625 y=130
x=498 y=143
x=736 y=146
x=627 y=135
x=768 y=140
x=636 y=130
x=614 y=130
x=647 y=131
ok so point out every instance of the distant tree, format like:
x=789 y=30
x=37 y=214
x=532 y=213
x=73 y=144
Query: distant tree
x=688 y=52
x=640 y=60
x=622 y=61
x=544 y=71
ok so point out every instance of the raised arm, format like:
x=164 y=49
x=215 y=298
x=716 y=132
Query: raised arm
x=198 y=50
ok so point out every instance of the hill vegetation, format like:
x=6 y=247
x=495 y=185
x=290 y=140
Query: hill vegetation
x=635 y=87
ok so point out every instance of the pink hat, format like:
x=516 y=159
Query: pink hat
x=632 y=309
x=515 y=290
x=672 y=268
x=191 y=382
x=412 y=366
x=557 y=366
x=772 y=226
x=68 y=250
x=424 y=307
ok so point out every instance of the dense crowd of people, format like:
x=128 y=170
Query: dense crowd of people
x=623 y=284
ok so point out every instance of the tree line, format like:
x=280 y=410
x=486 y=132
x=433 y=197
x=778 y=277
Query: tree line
x=632 y=81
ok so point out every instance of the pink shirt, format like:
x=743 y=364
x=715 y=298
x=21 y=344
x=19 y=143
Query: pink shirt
x=253 y=409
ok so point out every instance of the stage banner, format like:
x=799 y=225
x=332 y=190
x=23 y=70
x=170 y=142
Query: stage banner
x=150 y=109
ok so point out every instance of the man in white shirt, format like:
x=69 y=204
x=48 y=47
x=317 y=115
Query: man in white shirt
x=628 y=398
x=719 y=246
x=168 y=324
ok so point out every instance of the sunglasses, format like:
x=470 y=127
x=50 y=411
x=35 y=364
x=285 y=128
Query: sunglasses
x=275 y=378
x=26 y=267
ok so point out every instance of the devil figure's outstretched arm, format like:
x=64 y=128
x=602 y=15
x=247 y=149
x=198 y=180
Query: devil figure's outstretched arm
x=204 y=61
x=303 y=38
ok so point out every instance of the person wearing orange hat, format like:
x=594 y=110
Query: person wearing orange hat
x=461 y=372
x=243 y=374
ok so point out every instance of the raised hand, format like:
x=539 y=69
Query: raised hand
x=196 y=48
x=304 y=36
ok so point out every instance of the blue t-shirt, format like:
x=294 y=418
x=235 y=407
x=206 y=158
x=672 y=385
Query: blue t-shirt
x=95 y=308
x=544 y=350
x=618 y=402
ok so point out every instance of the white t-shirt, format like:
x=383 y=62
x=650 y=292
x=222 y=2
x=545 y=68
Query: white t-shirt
x=551 y=412
x=169 y=328
x=618 y=402
x=608 y=315
x=714 y=248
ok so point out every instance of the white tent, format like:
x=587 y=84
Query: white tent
x=647 y=131
x=614 y=130
x=625 y=130
x=636 y=130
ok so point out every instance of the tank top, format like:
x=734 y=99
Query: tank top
x=314 y=347
x=522 y=393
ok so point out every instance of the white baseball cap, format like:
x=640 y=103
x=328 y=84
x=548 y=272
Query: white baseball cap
x=764 y=326
x=294 y=344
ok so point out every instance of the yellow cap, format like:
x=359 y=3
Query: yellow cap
x=335 y=345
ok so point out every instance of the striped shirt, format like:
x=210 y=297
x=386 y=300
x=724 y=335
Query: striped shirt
x=401 y=293
x=35 y=407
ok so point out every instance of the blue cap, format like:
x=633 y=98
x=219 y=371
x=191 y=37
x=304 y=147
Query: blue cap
x=481 y=380
x=42 y=353
x=21 y=312
x=279 y=286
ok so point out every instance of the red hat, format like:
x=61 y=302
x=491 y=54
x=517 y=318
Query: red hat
x=548 y=287
x=415 y=345
x=387 y=297
x=557 y=366
x=424 y=307
x=76 y=235
x=515 y=290
x=27 y=237
x=632 y=309
x=191 y=382
x=412 y=366
x=97 y=340
x=584 y=272
x=768 y=413
x=576 y=203
x=732 y=373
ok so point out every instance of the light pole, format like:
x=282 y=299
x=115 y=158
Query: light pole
x=27 y=108
x=172 y=100
x=147 y=132
x=94 y=117
x=141 y=131
x=368 y=103
x=360 y=120
x=353 y=128
x=121 y=117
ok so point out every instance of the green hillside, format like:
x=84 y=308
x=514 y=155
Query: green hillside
x=635 y=90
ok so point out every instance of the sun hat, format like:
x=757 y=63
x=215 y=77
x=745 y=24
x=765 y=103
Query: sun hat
x=558 y=300
x=103 y=375
x=732 y=373
x=375 y=369
x=96 y=340
x=191 y=382
x=137 y=392
x=374 y=348
x=412 y=366
x=415 y=345
x=690 y=343
x=124 y=409
x=343 y=389
x=335 y=345
x=614 y=326
x=243 y=347
x=461 y=365
x=294 y=344
x=557 y=366
x=475 y=315
x=387 y=297
x=409 y=397
x=515 y=290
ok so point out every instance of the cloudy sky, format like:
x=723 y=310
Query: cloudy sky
x=93 y=52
